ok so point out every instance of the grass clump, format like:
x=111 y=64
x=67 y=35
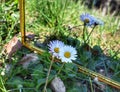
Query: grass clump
x=59 y=20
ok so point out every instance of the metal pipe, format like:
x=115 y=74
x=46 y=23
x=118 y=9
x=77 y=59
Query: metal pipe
x=99 y=76
x=33 y=48
x=22 y=19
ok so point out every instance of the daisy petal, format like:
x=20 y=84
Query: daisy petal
x=54 y=47
x=67 y=54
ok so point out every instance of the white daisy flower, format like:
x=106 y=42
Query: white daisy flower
x=67 y=54
x=54 y=47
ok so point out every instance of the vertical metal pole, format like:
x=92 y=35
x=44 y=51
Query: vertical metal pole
x=22 y=19
x=22 y=28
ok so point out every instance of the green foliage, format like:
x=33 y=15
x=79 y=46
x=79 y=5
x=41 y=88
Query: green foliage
x=9 y=20
x=49 y=12
x=55 y=16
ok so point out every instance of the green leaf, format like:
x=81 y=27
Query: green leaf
x=38 y=72
x=71 y=75
x=15 y=81
x=49 y=90
x=40 y=82
x=78 y=89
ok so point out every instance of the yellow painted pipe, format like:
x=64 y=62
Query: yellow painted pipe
x=99 y=76
x=22 y=19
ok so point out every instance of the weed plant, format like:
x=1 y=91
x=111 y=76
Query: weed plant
x=59 y=20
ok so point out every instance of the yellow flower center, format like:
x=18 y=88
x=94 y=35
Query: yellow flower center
x=56 y=50
x=67 y=54
x=86 y=20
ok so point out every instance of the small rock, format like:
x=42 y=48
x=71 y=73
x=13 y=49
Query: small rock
x=3 y=73
x=102 y=71
x=13 y=45
x=8 y=68
x=30 y=35
x=57 y=85
x=28 y=59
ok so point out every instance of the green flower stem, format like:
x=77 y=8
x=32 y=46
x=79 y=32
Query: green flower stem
x=90 y=34
x=2 y=84
x=91 y=85
x=20 y=90
x=60 y=69
x=48 y=75
x=84 y=33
